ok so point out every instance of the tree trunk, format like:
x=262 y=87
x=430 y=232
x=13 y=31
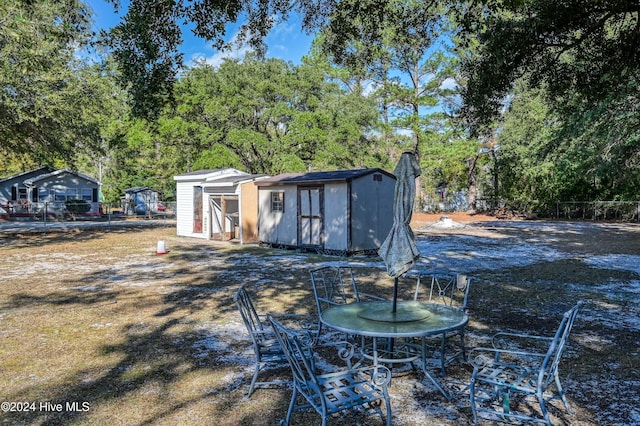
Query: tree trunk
x=472 y=184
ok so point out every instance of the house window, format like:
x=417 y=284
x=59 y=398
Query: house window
x=43 y=195
x=22 y=193
x=59 y=195
x=72 y=194
x=87 y=194
x=277 y=201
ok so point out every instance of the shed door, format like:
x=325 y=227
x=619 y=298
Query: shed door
x=197 y=210
x=310 y=212
x=225 y=216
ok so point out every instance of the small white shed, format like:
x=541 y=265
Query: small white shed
x=217 y=204
x=339 y=212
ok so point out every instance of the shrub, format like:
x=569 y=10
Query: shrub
x=77 y=206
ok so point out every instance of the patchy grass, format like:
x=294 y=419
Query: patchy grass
x=96 y=318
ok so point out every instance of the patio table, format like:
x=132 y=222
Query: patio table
x=411 y=319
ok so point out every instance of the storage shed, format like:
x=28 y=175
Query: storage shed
x=141 y=200
x=339 y=212
x=217 y=204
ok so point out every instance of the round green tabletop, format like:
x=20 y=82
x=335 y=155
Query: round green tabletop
x=411 y=319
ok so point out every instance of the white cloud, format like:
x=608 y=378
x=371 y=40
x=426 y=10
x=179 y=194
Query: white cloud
x=283 y=29
x=369 y=87
x=279 y=48
x=235 y=50
x=449 y=83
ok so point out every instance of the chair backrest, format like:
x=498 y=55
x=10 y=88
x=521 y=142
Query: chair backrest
x=333 y=285
x=300 y=357
x=450 y=290
x=250 y=316
x=551 y=361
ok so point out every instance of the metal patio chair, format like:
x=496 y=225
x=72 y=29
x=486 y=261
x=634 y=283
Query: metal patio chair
x=335 y=285
x=506 y=382
x=267 y=350
x=449 y=290
x=361 y=388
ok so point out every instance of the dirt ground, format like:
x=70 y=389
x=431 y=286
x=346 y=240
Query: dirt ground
x=421 y=219
x=95 y=317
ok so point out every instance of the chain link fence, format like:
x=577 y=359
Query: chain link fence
x=84 y=210
x=623 y=211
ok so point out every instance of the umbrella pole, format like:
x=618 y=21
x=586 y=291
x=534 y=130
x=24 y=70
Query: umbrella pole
x=393 y=310
x=395 y=295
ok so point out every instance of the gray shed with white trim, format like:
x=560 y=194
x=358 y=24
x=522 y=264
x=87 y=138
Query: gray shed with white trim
x=338 y=212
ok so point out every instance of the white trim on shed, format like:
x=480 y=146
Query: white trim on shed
x=212 y=204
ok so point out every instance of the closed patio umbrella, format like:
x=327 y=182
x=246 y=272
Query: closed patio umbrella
x=399 y=250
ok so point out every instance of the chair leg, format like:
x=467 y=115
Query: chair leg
x=543 y=408
x=317 y=339
x=388 y=404
x=561 y=393
x=254 y=379
x=472 y=400
x=443 y=360
x=291 y=406
x=443 y=357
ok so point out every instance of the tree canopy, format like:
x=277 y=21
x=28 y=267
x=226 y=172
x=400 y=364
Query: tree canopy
x=550 y=89
x=274 y=117
x=258 y=115
x=583 y=47
x=45 y=114
x=146 y=42
x=586 y=48
x=393 y=49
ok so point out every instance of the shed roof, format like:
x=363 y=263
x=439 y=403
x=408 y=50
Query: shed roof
x=140 y=189
x=320 y=177
x=199 y=172
x=208 y=174
x=232 y=180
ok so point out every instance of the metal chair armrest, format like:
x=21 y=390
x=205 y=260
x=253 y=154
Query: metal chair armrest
x=379 y=375
x=500 y=340
x=264 y=333
x=304 y=332
x=285 y=316
x=306 y=322
x=346 y=350
x=371 y=297
x=478 y=359
x=288 y=315
x=328 y=301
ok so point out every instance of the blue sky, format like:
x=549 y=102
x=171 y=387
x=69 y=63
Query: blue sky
x=286 y=41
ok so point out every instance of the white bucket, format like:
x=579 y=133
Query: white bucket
x=161 y=248
x=446 y=220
